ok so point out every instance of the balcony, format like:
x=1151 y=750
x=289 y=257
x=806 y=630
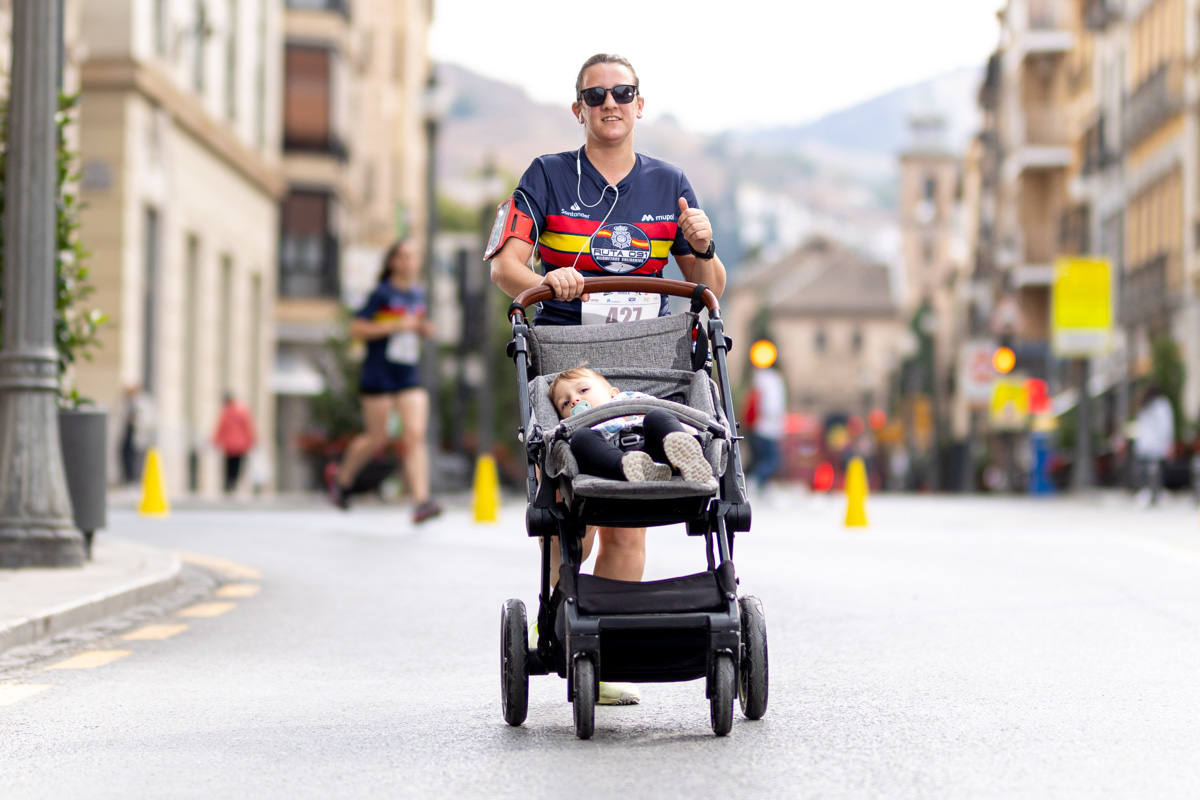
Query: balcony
x=308 y=267
x=1040 y=140
x=1158 y=98
x=1097 y=153
x=1099 y=14
x=329 y=145
x=1144 y=295
x=334 y=6
x=1045 y=28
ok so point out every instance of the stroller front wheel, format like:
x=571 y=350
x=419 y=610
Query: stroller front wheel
x=721 y=692
x=585 y=697
x=752 y=673
x=514 y=674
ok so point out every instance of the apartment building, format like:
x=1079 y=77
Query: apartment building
x=181 y=181
x=836 y=323
x=935 y=266
x=1032 y=126
x=354 y=158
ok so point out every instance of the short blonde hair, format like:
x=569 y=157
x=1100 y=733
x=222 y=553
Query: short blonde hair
x=574 y=373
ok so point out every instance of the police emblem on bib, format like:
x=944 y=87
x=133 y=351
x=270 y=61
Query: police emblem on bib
x=620 y=248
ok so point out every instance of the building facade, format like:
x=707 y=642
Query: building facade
x=181 y=183
x=354 y=160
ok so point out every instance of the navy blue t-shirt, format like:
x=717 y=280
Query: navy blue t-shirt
x=385 y=354
x=638 y=233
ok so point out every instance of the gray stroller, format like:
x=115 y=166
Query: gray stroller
x=590 y=628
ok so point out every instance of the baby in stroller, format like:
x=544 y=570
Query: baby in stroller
x=598 y=449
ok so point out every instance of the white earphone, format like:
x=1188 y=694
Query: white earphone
x=607 y=186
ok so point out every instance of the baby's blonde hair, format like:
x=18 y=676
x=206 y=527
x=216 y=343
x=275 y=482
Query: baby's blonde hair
x=574 y=373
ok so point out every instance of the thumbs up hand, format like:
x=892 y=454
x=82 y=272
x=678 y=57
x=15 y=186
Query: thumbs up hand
x=694 y=225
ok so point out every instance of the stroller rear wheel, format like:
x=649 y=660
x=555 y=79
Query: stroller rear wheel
x=585 y=697
x=514 y=675
x=720 y=695
x=752 y=673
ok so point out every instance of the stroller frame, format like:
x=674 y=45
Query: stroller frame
x=678 y=629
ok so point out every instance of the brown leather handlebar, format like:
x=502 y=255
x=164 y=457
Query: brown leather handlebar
x=618 y=283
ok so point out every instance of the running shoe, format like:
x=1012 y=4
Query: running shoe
x=426 y=511
x=638 y=466
x=618 y=694
x=339 y=496
x=687 y=456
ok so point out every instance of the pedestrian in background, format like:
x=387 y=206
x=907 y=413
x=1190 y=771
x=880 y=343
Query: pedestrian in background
x=767 y=425
x=1154 y=436
x=135 y=432
x=234 y=437
x=392 y=322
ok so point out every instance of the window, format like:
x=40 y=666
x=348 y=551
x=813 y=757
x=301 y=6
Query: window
x=160 y=27
x=260 y=78
x=308 y=250
x=225 y=324
x=930 y=191
x=856 y=340
x=231 y=45
x=150 y=269
x=819 y=341
x=199 y=38
x=308 y=100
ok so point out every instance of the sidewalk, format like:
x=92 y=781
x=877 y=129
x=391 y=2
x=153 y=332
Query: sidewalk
x=37 y=603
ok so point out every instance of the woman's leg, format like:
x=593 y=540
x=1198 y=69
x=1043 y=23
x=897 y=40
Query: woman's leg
x=375 y=414
x=413 y=407
x=622 y=554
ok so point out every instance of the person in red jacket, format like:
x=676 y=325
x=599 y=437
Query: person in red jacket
x=234 y=436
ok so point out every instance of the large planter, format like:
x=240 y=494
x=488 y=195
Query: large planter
x=84 y=434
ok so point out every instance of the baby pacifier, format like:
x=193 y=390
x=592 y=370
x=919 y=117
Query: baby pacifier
x=580 y=407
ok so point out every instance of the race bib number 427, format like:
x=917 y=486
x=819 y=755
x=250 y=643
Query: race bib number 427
x=605 y=307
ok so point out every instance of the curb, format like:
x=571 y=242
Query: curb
x=78 y=613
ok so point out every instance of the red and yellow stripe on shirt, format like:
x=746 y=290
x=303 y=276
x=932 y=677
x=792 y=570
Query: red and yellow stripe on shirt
x=564 y=237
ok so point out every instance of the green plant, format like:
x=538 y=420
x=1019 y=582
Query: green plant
x=76 y=327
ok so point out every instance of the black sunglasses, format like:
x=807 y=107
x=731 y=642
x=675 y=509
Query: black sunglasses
x=622 y=93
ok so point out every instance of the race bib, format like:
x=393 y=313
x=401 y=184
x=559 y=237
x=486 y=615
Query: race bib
x=605 y=307
x=404 y=347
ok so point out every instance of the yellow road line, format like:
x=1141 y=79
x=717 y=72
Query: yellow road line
x=238 y=590
x=148 y=632
x=206 y=610
x=230 y=569
x=15 y=692
x=90 y=659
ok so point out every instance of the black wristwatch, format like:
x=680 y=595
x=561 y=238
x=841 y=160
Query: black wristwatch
x=707 y=254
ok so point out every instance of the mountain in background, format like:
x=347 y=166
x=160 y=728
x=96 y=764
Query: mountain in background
x=765 y=189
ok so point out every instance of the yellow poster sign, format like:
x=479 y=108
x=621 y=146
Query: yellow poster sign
x=1081 y=307
x=1009 y=409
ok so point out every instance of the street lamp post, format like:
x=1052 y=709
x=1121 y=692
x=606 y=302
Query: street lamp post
x=35 y=509
x=430 y=367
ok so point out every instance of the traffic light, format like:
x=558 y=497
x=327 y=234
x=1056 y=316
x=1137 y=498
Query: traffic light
x=763 y=353
x=1004 y=359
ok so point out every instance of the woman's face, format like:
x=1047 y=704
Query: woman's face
x=610 y=121
x=404 y=262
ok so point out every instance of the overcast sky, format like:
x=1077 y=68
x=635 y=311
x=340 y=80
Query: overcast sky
x=717 y=64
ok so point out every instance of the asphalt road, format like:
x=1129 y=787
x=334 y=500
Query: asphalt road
x=953 y=648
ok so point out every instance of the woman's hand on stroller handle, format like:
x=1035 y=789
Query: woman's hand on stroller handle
x=566 y=284
x=619 y=283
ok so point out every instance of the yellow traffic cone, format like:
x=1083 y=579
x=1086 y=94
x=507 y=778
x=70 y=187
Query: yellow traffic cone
x=154 y=493
x=856 y=494
x=487 y=490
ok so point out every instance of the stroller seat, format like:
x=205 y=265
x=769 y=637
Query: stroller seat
x=689 y=396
